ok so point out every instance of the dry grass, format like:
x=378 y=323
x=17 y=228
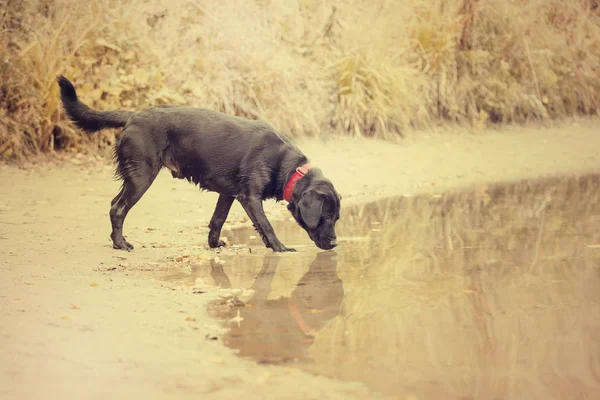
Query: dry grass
x=363 y=68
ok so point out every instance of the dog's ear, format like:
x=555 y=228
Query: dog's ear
x=311 y=206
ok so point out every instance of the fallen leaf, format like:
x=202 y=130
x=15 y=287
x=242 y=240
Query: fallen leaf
x=141 y=76
x=129 y=55
x=96 y=94
x=190 y=319
x=103 y=42
x=94 y=284
x=74 y=307
x=237 y=319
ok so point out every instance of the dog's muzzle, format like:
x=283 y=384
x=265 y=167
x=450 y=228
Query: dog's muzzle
x=327 y=244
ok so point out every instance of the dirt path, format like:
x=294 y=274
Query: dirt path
x=80 y=320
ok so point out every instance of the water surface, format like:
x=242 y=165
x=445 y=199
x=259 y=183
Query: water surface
x=490 y=293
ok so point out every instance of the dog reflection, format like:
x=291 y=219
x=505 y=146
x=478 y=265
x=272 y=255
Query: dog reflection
x=278 y=330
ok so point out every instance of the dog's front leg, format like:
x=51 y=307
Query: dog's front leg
x=264 y=279
x=219 y=276
x=254 y=208
x=218 y=219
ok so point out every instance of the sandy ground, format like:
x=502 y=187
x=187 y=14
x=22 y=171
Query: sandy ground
x=79 y=320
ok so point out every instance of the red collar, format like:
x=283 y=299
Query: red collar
x=298 y=174
x=304 y=327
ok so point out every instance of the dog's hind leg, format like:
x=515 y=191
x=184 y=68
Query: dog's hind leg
x=138 y=166
x=218 y=219
x=133 y=189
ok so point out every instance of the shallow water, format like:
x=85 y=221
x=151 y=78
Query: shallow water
x=492 y=293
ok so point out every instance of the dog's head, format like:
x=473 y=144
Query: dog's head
x=316 y=207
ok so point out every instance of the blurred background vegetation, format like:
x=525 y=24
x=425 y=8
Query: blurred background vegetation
x=372 y=68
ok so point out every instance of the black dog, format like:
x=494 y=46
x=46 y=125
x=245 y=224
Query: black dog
x=238 y=158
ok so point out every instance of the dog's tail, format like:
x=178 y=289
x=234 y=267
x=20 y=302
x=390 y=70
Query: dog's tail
x=84 y=117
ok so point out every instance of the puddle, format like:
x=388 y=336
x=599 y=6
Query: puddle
x=492 y=293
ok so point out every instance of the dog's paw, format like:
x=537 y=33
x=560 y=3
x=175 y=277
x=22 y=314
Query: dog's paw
x=284 y=249
x=216 y=245
x=122 y=245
